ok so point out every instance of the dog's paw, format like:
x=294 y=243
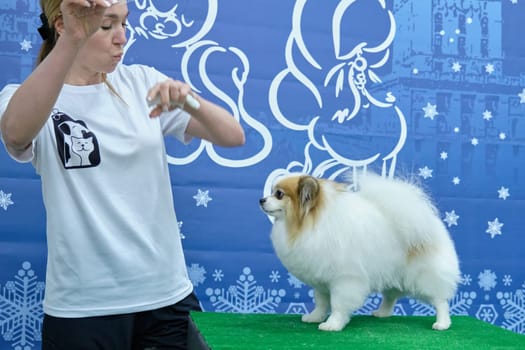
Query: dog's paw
x=313 y=318
x=441 y=326
x=331 y=326
x=336 y=322
x=381 y=313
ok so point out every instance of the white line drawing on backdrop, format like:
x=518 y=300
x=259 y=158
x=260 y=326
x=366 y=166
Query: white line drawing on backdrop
x=239 y=77
x=354 y=69
x=168 y=24
x=183 y=33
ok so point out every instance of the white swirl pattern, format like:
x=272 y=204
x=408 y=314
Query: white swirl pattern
x=155 y=24
x=357 y=71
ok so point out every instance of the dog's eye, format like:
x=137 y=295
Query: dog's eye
x=279 y=194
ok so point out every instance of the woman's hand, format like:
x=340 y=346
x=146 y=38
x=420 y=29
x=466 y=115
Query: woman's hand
x=82 y=18
x=208 y=121
x=170 y=94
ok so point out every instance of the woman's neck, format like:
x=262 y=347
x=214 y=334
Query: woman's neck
x=81 y=77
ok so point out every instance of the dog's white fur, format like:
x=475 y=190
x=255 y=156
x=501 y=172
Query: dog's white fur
x=384 y=237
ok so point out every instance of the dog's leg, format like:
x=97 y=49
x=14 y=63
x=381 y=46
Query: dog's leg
x=322 y=303
x=387 y=304
x=442 y=315
x=345 y=298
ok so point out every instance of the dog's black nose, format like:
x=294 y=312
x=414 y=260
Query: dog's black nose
x=262 y=200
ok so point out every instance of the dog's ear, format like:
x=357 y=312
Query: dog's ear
x=308 y=193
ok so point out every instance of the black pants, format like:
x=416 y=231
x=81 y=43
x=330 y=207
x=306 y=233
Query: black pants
x=166 y=328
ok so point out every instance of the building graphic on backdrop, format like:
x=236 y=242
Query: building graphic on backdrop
x=18 y=34
x=452 y=83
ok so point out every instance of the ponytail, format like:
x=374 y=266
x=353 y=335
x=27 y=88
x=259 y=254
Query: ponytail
x=50 y=12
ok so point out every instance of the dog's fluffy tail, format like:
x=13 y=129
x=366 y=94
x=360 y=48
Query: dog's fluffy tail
x=407 y=205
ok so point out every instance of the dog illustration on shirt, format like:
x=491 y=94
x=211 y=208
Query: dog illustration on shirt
x=77 y=146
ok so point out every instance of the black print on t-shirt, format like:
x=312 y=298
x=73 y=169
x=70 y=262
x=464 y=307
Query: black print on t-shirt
x=77 y=146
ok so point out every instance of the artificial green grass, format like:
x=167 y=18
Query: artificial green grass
x=223 y=331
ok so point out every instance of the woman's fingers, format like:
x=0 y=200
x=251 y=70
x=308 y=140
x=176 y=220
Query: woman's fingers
x=169 y=95
x=102 y=3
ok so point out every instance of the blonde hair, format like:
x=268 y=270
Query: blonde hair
x=51 y=11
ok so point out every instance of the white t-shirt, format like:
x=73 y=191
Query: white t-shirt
x=113 y=239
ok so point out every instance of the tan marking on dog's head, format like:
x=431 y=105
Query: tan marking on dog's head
x=302 y=201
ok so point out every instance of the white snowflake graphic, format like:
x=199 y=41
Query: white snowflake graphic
x=399 y=310
x=451 y=218
x=494 y=228
x=487 y=313
x=371 y=304
x=294 y=281
x=443 y=155
x=462 y=302
x=21 y=309
x=456 y=180
x=430 y=111
x=197 y=274
x=297 y=309
x=218 y=275
x=522 y=96
x=246 y=296
x=25 y=45
x=466 y=280
x=202 y=198
x=456 y=67
x=456 y=129
x=487 y=115
x=5 y=200
x=421 y=309
x=507 y=280
x=275 y=276
x=425 y=172
x=503 y=193
x=502 y=136
x=474 y=141
x=487 y=280
x=514 y=306
x=489 y=68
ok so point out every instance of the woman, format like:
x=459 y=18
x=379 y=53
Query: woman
x=116 y=276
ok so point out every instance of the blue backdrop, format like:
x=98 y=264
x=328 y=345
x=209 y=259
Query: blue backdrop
x=433 y=88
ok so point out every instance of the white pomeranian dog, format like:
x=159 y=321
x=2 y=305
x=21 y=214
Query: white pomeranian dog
x=385 y=237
